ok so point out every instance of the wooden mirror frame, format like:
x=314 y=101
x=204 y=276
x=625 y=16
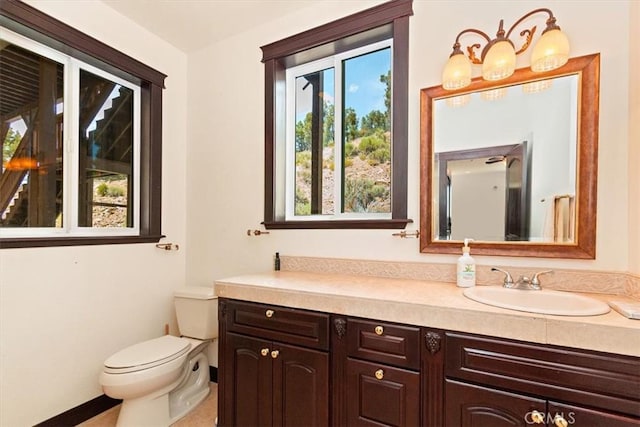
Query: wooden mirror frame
x=584 y=246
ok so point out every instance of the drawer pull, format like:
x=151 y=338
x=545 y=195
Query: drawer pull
x=264 y=351
x=275 y=353
x=537 y=417
x=379 y=330
x=559 y=421
x=379 y=374
x=269 y=313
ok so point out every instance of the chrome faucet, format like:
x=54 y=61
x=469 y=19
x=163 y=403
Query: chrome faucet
x=523 y=282
x=535 y=282
x=508 y=280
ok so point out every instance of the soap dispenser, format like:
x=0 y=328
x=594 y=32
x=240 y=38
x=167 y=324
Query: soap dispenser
x=466 y=276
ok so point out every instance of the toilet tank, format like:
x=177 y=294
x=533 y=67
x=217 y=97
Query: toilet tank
x=197 y=312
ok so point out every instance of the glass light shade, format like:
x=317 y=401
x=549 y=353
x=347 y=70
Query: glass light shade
x=457 y=72
x=551 y=51
x=499 y=62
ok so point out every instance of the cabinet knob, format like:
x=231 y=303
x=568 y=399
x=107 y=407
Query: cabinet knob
x=537 y=417
x=264 y=351
x=559 y=421
x=379 y=374
x=379 y=330
x=275 y=353
x=269 y=313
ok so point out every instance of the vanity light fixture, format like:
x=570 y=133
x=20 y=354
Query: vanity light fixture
x=498 y=57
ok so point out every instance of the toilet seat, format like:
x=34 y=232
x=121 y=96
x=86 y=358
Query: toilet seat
x=147 y=354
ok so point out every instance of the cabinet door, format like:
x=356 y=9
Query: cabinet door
x=468 y=405
x=248 y=381
x=381 y=395
x=575 y=415
x=300 y=387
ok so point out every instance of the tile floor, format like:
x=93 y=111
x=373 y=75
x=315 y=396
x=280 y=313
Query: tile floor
x=203 y=415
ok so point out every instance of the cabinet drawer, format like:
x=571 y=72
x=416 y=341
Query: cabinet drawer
x=384 y=342
x=595 y=379
x=379 y=395
x=287 y=325
x=577 y=416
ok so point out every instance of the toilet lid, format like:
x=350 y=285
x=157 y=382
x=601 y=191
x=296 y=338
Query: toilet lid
x=148 y=354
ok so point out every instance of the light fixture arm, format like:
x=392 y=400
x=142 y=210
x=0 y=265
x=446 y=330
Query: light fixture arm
x=551 y=21
x=502 y=36
x=498 y=56
x=470 y=49
x=528 y=33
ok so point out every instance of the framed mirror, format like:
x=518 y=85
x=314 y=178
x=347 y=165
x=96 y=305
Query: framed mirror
x=512 y=164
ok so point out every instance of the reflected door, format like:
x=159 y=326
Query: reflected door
x=517 y=204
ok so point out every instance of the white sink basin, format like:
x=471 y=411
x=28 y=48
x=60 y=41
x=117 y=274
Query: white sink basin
x=543 y=301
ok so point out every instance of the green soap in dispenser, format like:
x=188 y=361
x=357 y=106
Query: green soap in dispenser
x=466 y=276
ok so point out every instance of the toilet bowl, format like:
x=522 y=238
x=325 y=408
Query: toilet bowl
x=162 y=379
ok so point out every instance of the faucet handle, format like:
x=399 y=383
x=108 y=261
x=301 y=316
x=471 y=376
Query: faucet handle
x=535 y=281
x=508 y=280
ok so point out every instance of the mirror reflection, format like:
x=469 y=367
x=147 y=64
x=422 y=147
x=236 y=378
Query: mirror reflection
x=504 y=163
x=512 y=164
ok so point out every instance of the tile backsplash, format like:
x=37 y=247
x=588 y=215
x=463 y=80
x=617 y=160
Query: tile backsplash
x=565 y=280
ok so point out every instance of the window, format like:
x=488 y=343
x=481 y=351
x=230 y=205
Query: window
x=81 y=137
x=342 y=98
x=336 y=123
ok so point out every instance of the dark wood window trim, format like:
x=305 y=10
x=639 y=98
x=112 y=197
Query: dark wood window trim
x=32 y=23
x=278 y=55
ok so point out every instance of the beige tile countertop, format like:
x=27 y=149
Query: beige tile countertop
x=431 y=304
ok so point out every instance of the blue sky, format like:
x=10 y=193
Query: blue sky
x=363 y=90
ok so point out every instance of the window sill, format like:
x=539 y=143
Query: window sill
x=339 y=224
x=38 y=242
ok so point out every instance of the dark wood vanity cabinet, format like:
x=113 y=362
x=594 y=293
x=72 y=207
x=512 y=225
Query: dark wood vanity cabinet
x=496 y=382
x=274 y=366
x=380 y=373
x=289 y=367
x=473 y=405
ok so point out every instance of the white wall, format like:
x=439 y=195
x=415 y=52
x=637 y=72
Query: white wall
x=225 y=174
x=477 y=204
x=63 y=311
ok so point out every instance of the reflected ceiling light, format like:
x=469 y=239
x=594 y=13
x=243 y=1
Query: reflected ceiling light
x=536 y=86
x=458 y=101
x=493 y=94
x=498 y=57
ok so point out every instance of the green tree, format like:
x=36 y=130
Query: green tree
x=303 y=129
x=386 y=79
x=303 y=133
x=11 y=142
x=350 y=124
x=372 y=122
x=328 y=130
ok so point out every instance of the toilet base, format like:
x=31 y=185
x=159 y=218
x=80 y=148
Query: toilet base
x=168 y=405
x=144 y=412
x=192 y=390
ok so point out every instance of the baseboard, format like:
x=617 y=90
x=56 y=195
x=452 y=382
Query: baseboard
x=90 y=409
x=82 y=412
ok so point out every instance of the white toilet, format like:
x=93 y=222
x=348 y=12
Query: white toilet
x=162 y=379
